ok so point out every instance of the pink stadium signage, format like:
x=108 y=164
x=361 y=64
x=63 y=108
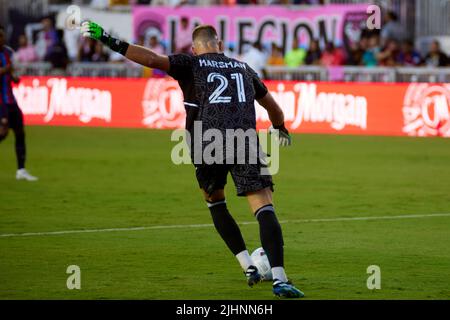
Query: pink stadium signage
x=417 y=109
x=242 y=25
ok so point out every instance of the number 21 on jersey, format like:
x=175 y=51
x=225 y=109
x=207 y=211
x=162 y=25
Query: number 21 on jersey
x=217 y=97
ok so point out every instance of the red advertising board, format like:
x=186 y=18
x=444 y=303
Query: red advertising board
x=337 y=108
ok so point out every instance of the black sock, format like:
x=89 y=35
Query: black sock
x=271 y=235
x=226 y=226
x=20 y=148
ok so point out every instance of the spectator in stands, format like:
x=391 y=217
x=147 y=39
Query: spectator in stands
x=364 y=43
x=296 y=56
x=408 y=56
x=370 y=55
x=86 y=50
x=243 y=2
x=256 y=58
x=355 y=55
x=392 y=29
x=178 y=3
x=183 y=37
x=332 y=56
x=388 y=56
x=72 y=41
x=435 y=57
x=142 y=41
x=308 y=2
x=314 y=53
x=26 y=52
x=46 y=38
x=99 y=54
x=276 y=57
x=155 y=45
x=57 y=53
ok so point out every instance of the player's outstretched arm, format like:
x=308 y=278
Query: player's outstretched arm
x=138 y=54
x=276 y=116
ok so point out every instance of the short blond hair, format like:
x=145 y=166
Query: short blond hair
x=204 y=32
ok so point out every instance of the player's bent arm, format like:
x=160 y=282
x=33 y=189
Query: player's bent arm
x=138 y=54
x=276 y=115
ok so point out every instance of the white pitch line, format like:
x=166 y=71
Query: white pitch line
x=208 y=225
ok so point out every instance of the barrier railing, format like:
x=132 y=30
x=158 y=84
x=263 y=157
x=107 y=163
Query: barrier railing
x=303 y=73
x=363 y=74
x=360 y=74
x=110 y=70
x=33 y=69
x=441 y=75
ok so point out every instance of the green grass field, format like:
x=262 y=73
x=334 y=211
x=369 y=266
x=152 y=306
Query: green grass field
x=95 y=178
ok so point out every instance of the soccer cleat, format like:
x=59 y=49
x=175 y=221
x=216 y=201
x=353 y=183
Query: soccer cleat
x=286 y=290
x=23 y=174
x=253 y=276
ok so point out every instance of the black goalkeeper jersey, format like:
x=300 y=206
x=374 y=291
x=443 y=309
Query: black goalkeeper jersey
x=218 y=91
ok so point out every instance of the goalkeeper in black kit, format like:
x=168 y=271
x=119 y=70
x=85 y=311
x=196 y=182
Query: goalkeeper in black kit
x=219 y=92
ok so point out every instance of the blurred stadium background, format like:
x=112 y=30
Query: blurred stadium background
x=407 y=44
x=346 y=201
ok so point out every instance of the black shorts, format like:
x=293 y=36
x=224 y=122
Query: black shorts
x=13 y=114
x=246 y=177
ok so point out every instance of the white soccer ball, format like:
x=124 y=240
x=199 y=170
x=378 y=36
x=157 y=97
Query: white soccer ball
x=261 y=261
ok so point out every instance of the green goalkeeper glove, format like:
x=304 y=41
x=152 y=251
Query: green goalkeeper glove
x=92 y=30
x=284 y=138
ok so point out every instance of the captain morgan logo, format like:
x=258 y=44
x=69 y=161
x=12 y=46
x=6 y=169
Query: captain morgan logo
x=426 y=110
x=55 y=98
x=162 y=106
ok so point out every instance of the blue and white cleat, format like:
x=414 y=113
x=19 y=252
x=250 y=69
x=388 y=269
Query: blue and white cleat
x=286 y=290
x=253 y=276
